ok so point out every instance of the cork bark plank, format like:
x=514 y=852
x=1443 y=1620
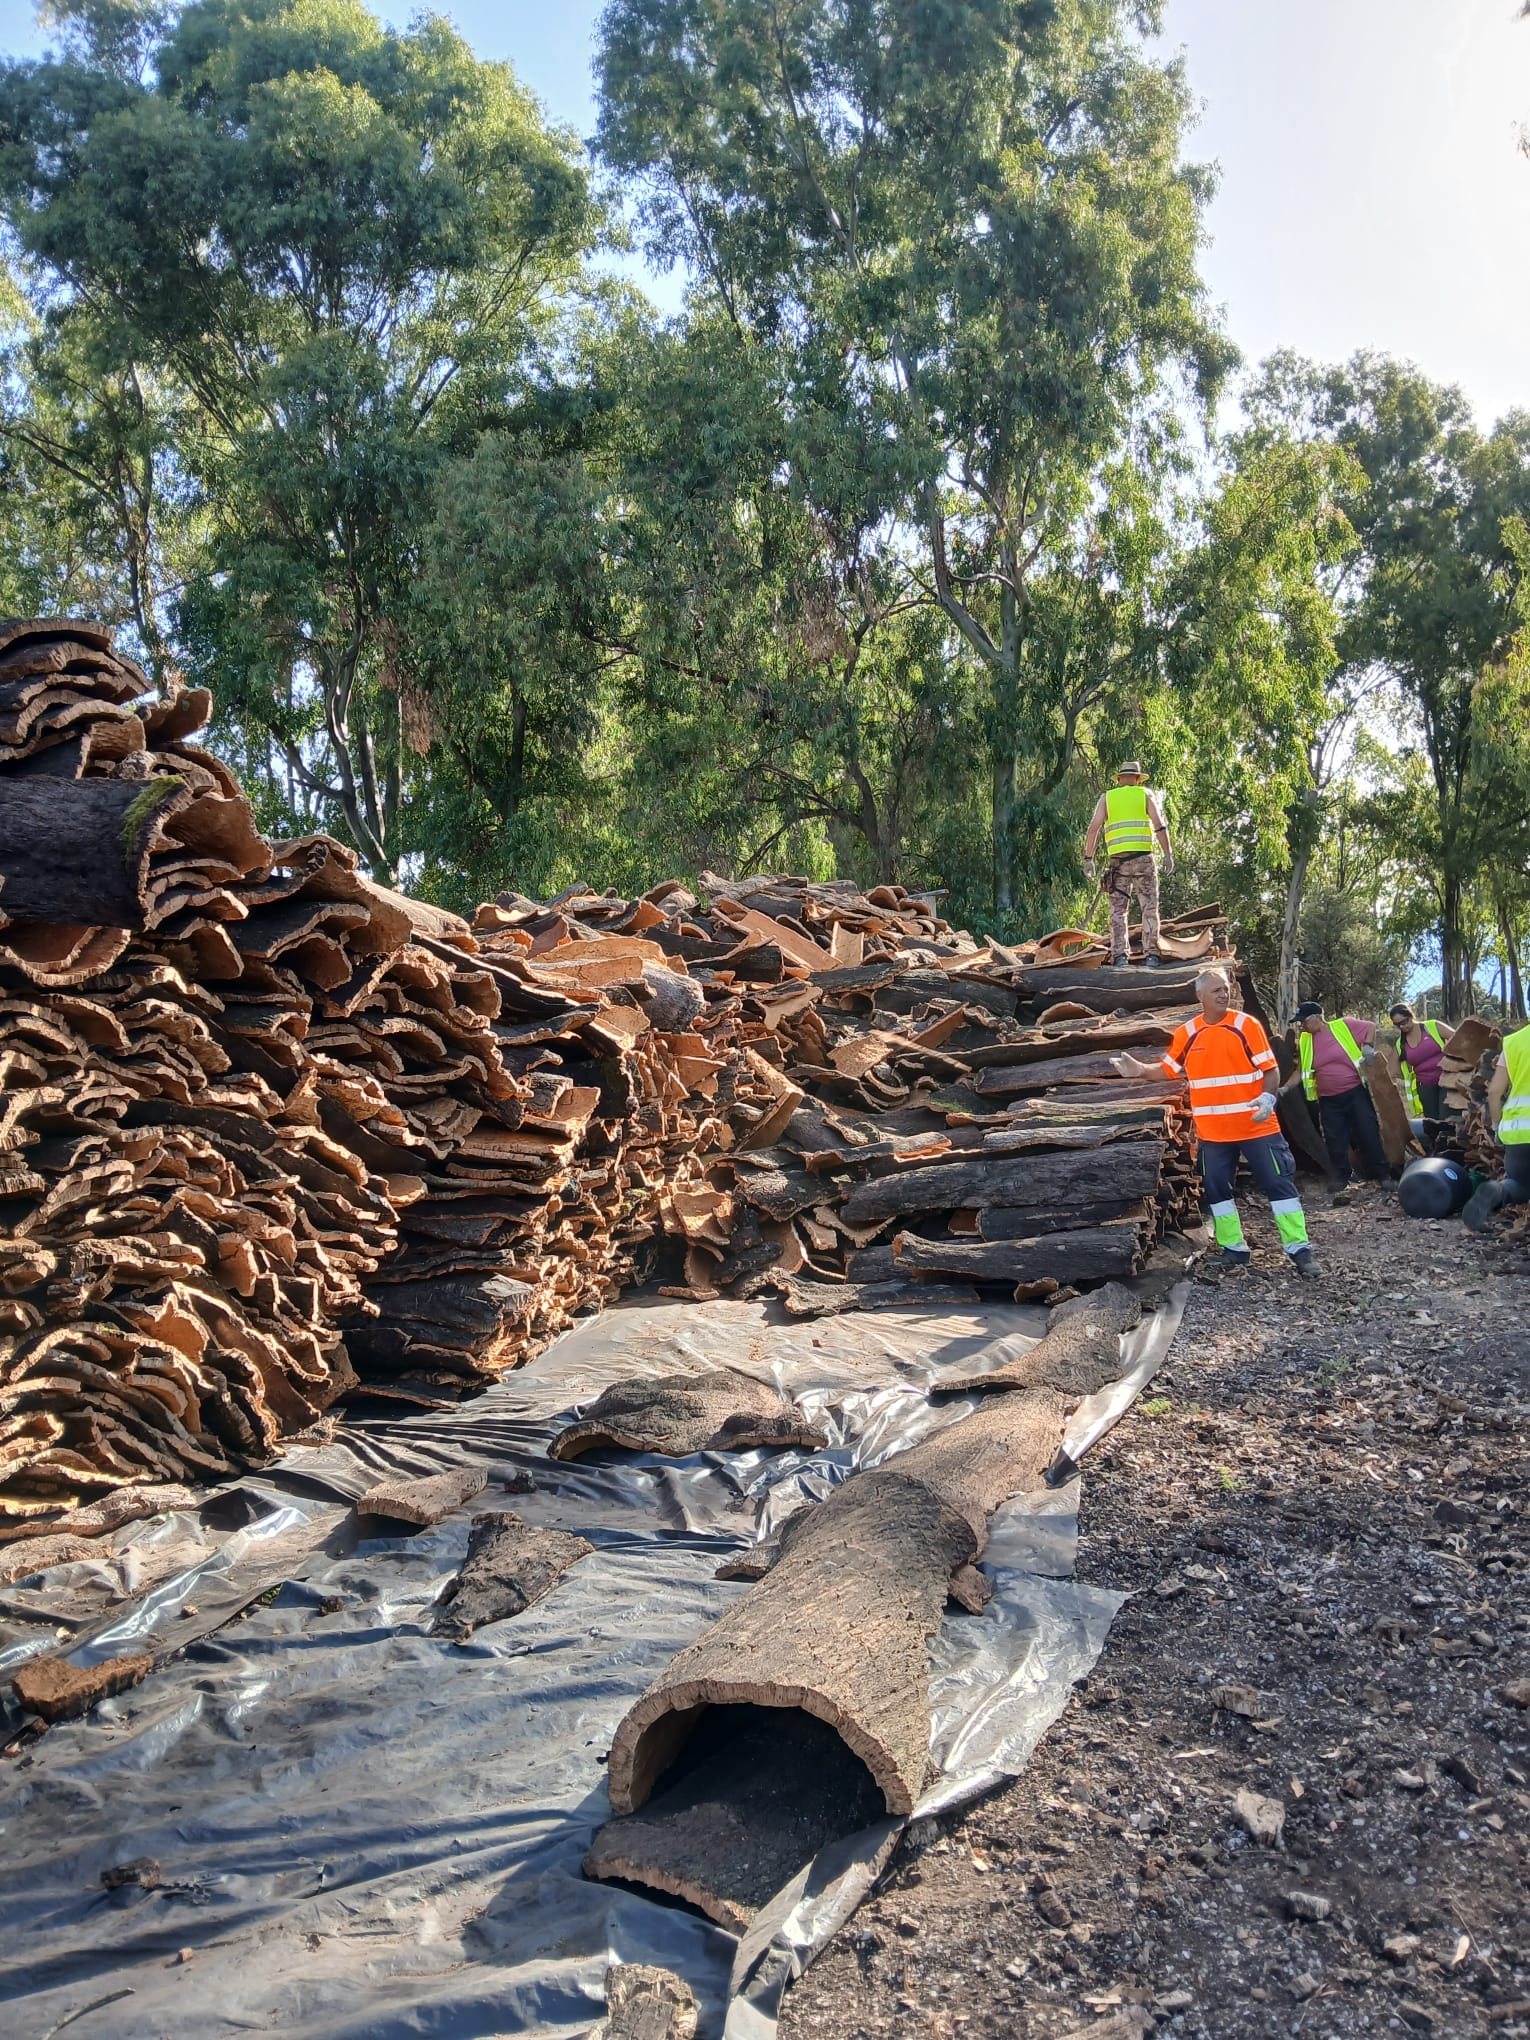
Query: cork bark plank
x=58 y=1690
x=643 y=2003
x=1091 y=1254
x=720 y=1410
x=1048 y=1181
x=423 y=1502
x=510 y=1565
x=1079 y=1353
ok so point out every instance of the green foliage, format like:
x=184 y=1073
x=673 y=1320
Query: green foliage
x=876 y=561
x=101 y=516
x=1437 y=604
x=967 y=231
x=343 y=246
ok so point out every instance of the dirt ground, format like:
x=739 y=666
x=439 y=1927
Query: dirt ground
x=1322 y=1503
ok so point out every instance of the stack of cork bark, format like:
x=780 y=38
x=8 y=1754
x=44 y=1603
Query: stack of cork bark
x=270 y=1129
x=266 y=1123
x=938 y=1112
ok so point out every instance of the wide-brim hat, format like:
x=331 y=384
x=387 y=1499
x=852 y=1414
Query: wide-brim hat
x=1132 y=768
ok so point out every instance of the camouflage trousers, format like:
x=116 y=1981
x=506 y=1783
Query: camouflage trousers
x=1127 y=878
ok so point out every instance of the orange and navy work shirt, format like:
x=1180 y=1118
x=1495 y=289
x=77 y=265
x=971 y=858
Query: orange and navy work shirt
x=1225 y=1063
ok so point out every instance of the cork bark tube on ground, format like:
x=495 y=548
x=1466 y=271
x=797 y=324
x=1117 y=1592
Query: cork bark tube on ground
x=721 y=1779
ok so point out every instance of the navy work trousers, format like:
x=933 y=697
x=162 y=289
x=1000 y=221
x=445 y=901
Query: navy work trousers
x=1270 y=1163
x=1350 y=1120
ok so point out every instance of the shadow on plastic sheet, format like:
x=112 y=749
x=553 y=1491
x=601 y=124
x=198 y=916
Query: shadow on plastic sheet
x=355 y=1828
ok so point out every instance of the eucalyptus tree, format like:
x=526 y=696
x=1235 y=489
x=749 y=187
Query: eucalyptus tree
x=102 y=516
x=1439 y=605
x=346 y=246
x=969 y=224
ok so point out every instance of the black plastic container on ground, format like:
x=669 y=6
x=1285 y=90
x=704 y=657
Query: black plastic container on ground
x=1432 y=1187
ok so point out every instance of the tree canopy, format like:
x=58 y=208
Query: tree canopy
x=937 y=498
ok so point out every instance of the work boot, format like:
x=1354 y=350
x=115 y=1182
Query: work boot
x=1343 y=1195
x=1155 y=962
x=1232 y=1259
x=1484 y=1201
x=1120 y=963
x=1305 y=1262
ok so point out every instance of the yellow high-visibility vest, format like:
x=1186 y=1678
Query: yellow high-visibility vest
x=1514 y=1127
x=1411 y=1097
x=1346 y=1041
x=1127 y=828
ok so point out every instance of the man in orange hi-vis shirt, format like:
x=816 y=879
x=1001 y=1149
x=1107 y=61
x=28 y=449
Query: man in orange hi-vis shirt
x=1226 y=1060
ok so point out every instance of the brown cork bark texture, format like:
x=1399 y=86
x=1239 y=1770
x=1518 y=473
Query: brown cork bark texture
x=1080 y=1353
x=509 y=1566
x=59 y=1691
x=721 y=1410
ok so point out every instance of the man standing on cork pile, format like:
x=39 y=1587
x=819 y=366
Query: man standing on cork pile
x=1131 y=820
x=1226 y=1060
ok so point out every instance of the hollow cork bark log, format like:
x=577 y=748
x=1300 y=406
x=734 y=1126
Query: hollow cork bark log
x=76 y=852
x=1053 y=1180
x=838 y=1628
x=1090 y=1255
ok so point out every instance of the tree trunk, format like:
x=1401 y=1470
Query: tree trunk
x=1510 y=937
x=1287 y=990
x=1006 y=773
x=1453 y=984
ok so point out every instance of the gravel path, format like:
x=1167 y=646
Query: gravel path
x=1321 y=1509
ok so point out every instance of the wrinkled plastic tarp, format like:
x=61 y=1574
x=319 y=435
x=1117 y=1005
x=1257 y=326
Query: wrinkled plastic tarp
x=359 y=1828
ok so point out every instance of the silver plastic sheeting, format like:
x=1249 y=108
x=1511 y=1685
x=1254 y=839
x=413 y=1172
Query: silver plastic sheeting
x=358 y=1828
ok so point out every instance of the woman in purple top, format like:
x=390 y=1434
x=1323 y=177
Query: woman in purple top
x=1422 y=1048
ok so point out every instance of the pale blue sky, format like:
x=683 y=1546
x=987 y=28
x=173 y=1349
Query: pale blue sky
x=1373 y=191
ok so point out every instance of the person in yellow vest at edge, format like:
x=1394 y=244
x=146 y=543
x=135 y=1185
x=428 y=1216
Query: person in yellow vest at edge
x=1333 y=1055
x=1226 y=1060
x=1420 y=1051
x=1509 y=1110
x=1130 y=818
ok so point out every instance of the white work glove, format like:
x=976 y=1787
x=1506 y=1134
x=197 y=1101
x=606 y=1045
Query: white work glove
x=1368 y=1054
x=1168 y=864
x=1122 y=1066
x=1264 y=1107
x=1089 y=867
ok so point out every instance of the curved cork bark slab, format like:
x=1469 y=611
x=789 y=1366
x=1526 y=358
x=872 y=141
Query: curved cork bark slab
x=423 y=1503
x=76 y=852
x=509 y=1566
x=1385 y=1087
x=838 y=1627
x=678 y=1414
x=1080 y=1353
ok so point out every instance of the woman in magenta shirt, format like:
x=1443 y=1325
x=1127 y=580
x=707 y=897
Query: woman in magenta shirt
x=1423 y=1050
